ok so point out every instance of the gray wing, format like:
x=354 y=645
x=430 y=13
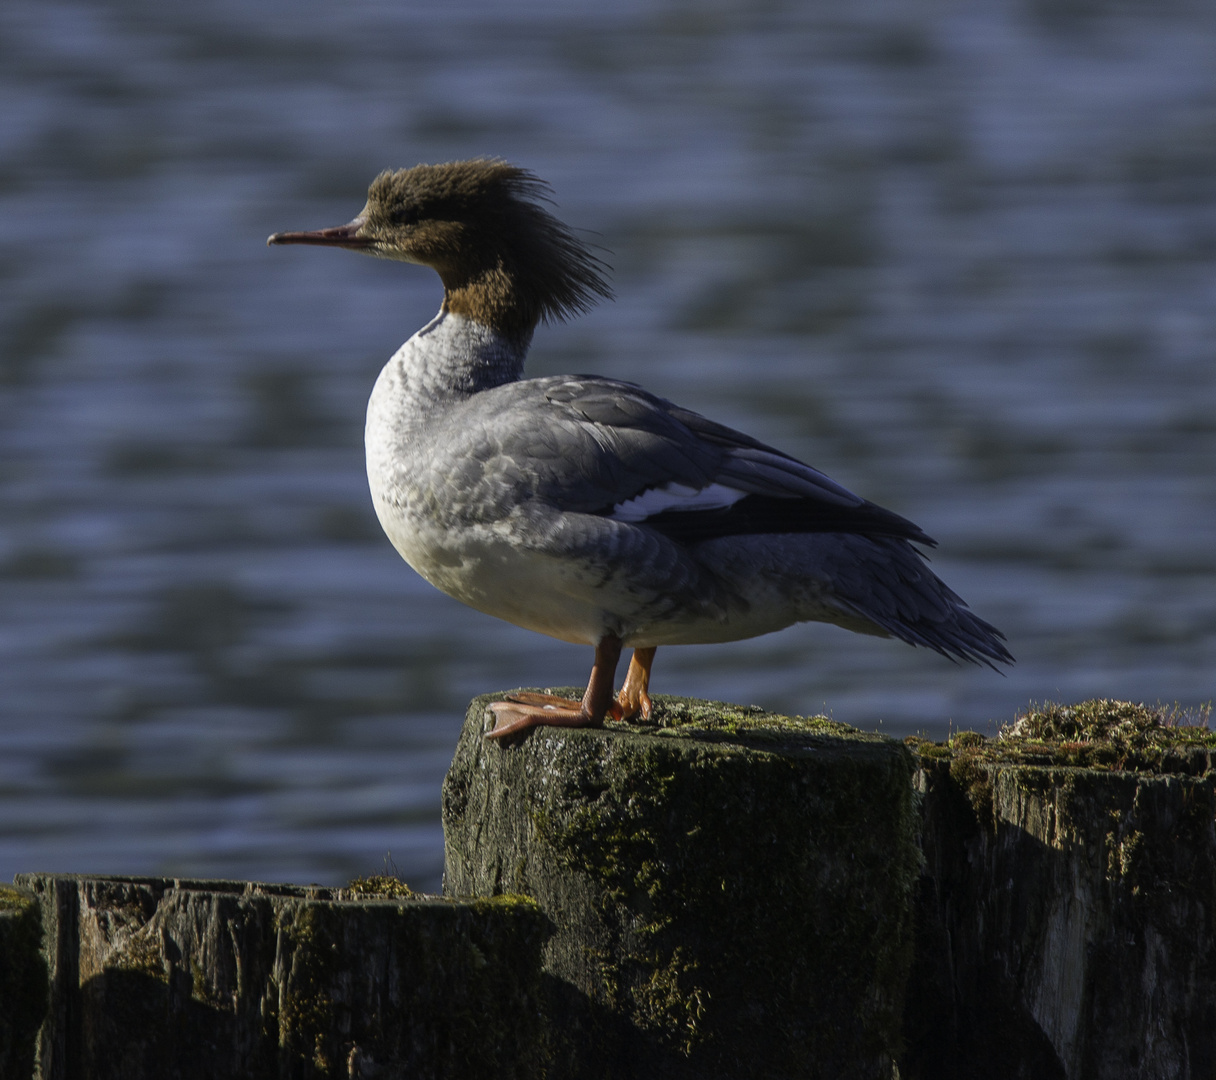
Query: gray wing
x=693 y=479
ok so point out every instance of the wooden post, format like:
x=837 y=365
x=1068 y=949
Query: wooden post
x=731 y=891
x=153 y=978
x=1067 y=917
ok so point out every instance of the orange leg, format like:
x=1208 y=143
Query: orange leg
x=520 y=712
x=634 y=698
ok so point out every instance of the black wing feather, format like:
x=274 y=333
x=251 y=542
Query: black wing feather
x=754 y=514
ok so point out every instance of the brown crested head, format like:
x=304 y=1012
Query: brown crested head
x=504 y=259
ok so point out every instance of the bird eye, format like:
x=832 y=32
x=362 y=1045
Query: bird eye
x=404 y=215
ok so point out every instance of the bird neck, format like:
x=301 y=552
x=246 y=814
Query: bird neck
x=455 y=356
x=496 y=293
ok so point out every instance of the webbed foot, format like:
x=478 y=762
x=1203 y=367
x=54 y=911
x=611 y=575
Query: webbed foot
x=522 y=712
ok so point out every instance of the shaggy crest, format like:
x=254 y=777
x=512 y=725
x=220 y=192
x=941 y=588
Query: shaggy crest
x=503 y=258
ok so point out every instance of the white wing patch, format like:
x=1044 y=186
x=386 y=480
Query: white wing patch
x=675 y=496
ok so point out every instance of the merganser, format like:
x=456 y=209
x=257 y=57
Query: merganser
x=587 y=508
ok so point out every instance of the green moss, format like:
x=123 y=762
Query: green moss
x=513 y=902
x=378 y=887
x=673 y=1001
x=613 y=840
x=974 y=777
x=306 y=1010
x=14 y=899
x=202 y=989
x=1126 y=858
x=463 y=981
x=694 y=718
x=1099 y=734
x=1115 y=721
x=142 y=954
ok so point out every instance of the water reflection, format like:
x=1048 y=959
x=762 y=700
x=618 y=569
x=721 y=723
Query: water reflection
x=962 y=261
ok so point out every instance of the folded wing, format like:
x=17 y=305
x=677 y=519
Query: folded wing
x=692 y=479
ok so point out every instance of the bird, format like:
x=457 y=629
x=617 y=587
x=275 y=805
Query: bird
x=585 y=507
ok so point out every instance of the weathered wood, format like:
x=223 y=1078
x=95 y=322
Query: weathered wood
x=154 y=978
x=23 y=981
x=731 y=890
x=1067 y=923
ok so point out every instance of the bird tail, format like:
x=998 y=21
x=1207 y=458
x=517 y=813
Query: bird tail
x=887 y=582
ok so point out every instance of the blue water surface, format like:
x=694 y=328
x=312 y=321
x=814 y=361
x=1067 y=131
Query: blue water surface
x=960 y=257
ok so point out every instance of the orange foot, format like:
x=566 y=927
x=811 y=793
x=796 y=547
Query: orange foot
x=518 y=713
x=634 y=700
x=521 y=712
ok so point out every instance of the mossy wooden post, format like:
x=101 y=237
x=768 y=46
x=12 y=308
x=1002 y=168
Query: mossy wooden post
x=730 y=890
x=1067 y=923
x=154 y=978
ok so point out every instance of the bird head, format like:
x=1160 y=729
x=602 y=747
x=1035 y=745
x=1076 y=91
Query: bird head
x=504 y=259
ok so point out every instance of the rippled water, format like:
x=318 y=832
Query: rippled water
x=961 y=257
